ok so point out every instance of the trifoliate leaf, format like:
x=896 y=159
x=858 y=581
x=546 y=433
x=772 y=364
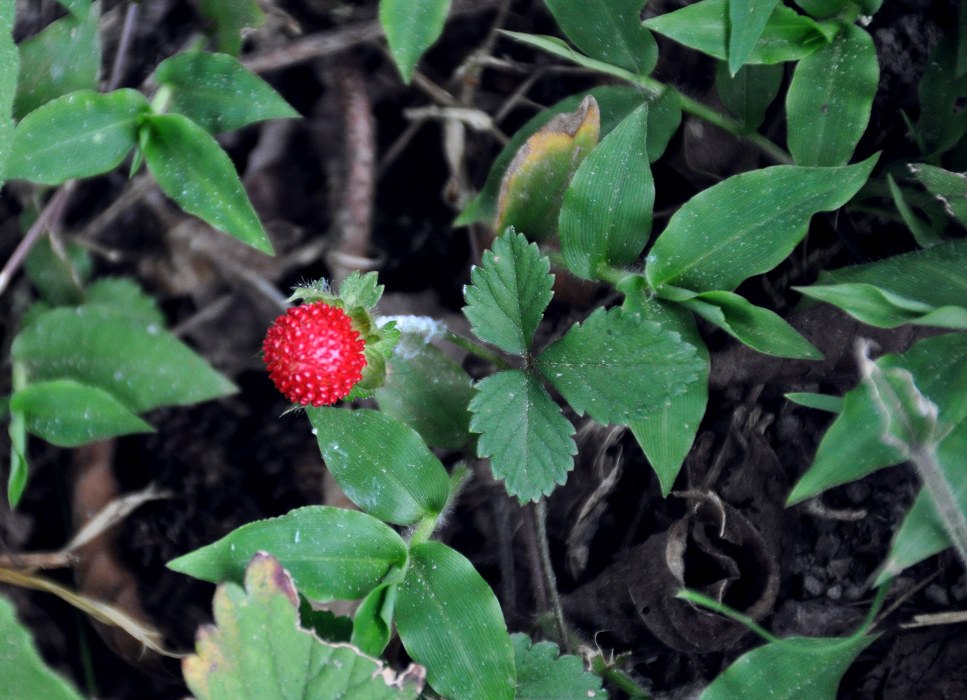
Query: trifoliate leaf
x=543 y=673
x=618 y=366
x=523 y=432
x=257 y=650
x=510 y=291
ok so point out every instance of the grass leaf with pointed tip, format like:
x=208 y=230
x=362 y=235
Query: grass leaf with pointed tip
x=332 y=553
x=608 y=30
x=67 y=413
x=64 y=57
x=759 y=328
x=218 y=93
x=381 y=463
x=411 y=26
x=747 y=224
x=666 y=433
x=78 y=135
x=787 y=35
x=830 y=97
x=450 y=621
x=195 y=172
x=139 y=363
x=607 y=220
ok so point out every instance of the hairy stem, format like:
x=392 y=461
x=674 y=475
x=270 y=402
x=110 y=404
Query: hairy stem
x=544 y=547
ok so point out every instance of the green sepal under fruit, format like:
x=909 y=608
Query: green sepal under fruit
x=357 y=296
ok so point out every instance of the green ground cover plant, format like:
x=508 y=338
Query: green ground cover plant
x=571 y=195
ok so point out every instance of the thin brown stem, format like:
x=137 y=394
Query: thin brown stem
x=49 y=216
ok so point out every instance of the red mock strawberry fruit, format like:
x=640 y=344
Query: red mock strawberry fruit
x=313 y=354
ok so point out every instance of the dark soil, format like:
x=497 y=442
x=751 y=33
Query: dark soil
x=232 y=461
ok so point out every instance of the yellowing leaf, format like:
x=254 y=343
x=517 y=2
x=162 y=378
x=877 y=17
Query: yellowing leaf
x=536 y=179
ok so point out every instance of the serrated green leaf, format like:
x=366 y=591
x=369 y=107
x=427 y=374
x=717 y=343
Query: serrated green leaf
x=787 y=36
x=797 y=668
x=257 y=650
x=25 y=675
x=747 y=20
x=510 y=290
x=450 y=621
x=759 y=328
x=534 y=184
x=748 y=93
x=381 y=463
x=411 y=26
x=617 y=366
x=608 y=30
x=231 y=18
x=614 y=104
x=195 y=172
x=666 y=433
x=63 y=58
x=543 y=672
x=747 y=224
x=332 y=553
x=524 y=434
x=428 y=391
x=949 y=188
x=926 y=287
x=218 y=93
x=67 y=413
x=830 y=97
x=10 y=59
x=78 y=135
x=607 y=221
x=922 y=533
x=139 y=363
